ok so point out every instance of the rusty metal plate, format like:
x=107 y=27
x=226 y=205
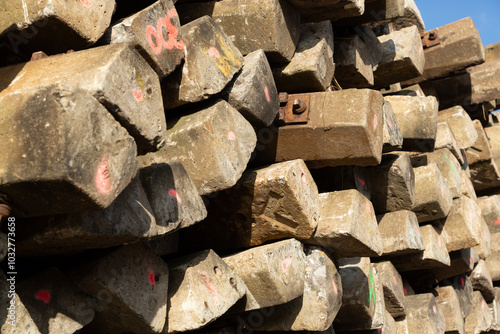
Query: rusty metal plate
x=430 y=39
x=294 y=109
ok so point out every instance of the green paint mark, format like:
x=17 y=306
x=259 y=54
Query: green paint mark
x=372 y=286
x=451 y=164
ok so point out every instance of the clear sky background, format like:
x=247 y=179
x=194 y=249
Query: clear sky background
x=484 y=13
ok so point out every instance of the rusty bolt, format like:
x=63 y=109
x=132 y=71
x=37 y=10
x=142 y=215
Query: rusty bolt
x=432 y=35
x=283 y=98
x=299 y=106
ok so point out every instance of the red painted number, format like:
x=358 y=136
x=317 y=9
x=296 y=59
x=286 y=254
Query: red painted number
x=155 y=36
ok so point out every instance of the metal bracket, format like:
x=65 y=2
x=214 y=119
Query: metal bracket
x=294 y=109
x=430 y=39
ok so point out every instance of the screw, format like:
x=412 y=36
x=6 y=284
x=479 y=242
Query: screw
x=283 y=98
x=432 y=35
x=299 y=106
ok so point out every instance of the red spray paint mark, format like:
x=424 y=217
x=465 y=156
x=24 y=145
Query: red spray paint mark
x=231 y=135
x=151 y=277
x=213 y=52
x=420 y=50
x=375 y=121
x=394 y=280
x=462 y=281
x=470 y=259
x=363 y=182
x=442 y=191
x=102 y=177
x=211 y=287
x=86 y=3
x=266 y=91
x=434 y=309
x=335 y=289
x=404 y=291
x=138 y=95
x=497 y=222
x=368 y=207
x=174 y=193
x=303 y=174
x=285 y=265
x=483 y=304
x=43 y=295
x=159 y=41
x=416 y=229
x=439 y=240
x=157 y=44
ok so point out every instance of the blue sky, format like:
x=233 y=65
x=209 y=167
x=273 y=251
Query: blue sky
x=484 y=13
